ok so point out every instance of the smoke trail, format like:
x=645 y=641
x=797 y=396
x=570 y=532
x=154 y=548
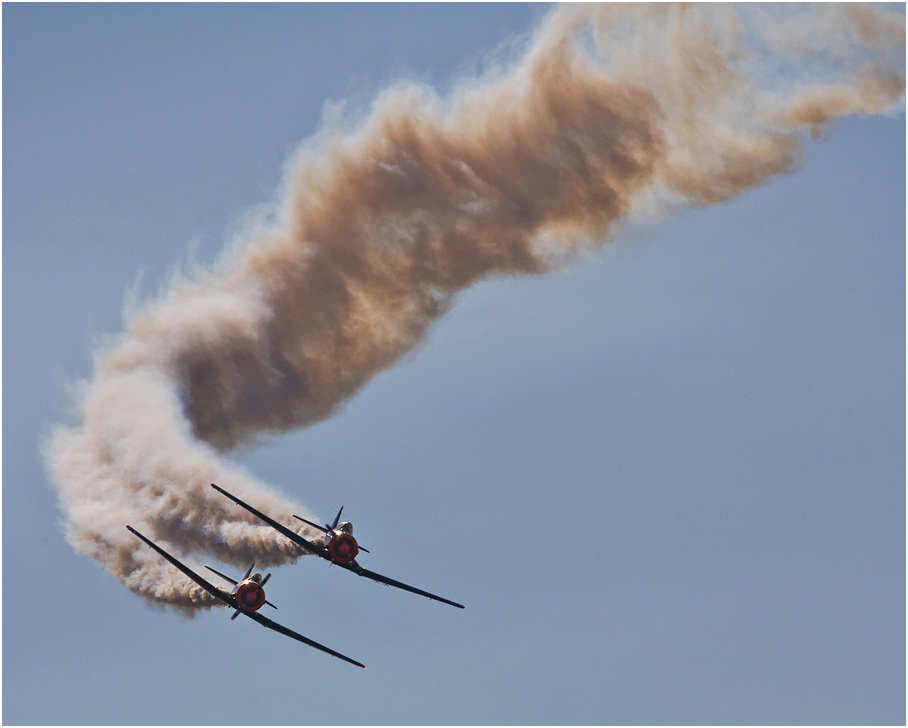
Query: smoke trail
x=613 y=111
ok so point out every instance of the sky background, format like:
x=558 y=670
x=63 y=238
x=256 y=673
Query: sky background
x=667 y=482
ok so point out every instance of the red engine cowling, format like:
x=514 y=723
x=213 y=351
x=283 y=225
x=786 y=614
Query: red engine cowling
x=343 y=548
x=250 y=596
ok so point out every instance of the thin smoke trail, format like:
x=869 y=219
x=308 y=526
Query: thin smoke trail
x=612 y=112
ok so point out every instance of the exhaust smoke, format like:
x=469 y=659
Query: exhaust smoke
x=612 y=113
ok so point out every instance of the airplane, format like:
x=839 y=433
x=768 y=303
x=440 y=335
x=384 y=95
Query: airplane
x=246 y=597
x=340 y=548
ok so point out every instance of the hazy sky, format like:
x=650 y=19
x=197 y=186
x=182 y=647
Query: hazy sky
x=667 y=482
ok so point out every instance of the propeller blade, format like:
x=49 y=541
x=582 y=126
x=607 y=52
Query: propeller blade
x=248 y=572
x=265 y=581
x=337 y=518
x=364 y=549
x=235 y=614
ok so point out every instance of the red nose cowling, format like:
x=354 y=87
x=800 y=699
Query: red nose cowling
x=343 y=548
x=250 y=596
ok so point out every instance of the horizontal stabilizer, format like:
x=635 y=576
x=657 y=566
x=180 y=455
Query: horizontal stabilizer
x=310 y=523
x=223 y=576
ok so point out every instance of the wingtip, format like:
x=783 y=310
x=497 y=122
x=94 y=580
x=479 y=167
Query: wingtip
x=461 y=606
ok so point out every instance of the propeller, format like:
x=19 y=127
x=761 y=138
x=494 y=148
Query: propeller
x=328 y=529
x=235 y=583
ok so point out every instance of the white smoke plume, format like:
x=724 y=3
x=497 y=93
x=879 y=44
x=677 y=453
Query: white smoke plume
x=612 y=112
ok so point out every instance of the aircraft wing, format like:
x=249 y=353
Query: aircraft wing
x=265 y=622
x=312 y=548
x=400 y=585
x=205 y=584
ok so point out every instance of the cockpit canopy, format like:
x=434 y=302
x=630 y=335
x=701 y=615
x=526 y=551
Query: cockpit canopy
x=345 y=527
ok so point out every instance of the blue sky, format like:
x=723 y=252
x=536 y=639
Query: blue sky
x=668 y=482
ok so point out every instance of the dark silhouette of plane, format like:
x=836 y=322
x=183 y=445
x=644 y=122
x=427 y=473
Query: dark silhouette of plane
x=340 y=547
x=246 y=597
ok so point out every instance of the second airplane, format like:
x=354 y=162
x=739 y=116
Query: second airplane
x=340 y=547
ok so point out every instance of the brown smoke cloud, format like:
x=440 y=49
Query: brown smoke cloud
x=613 y=112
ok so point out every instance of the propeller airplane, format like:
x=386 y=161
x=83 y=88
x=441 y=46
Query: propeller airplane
x=246 y=597
x=340 y=546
